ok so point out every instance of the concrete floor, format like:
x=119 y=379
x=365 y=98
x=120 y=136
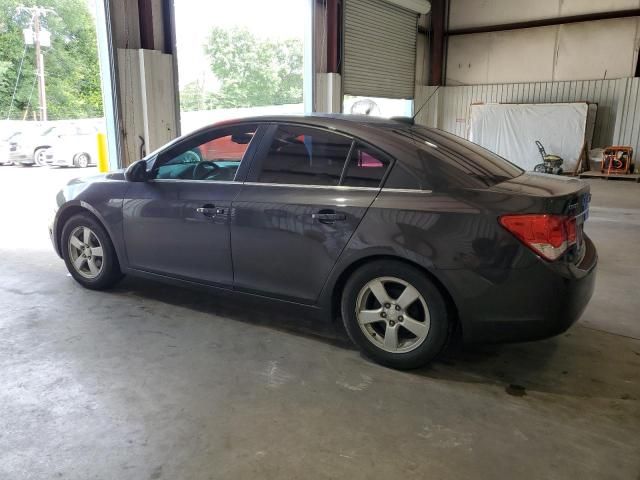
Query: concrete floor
x=151 y=382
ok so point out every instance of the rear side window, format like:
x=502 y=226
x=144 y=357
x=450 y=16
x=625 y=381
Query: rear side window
x=366 y=167
x=449 y=160
x=305 y=156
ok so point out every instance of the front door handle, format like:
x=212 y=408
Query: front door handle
x=210 y=210
x=328 y=216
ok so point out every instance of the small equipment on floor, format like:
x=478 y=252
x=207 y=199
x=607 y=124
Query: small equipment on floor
x=550 y=163
x=617 y=159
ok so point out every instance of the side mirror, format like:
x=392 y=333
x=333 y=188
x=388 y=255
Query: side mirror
x=136 y=172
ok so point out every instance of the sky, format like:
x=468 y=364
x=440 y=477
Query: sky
x=264 y=18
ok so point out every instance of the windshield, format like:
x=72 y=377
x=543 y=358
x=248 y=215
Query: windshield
x=465 y=162
x=12 y=136
x=47 y=131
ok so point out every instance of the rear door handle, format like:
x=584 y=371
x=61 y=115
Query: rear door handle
x=328 y=216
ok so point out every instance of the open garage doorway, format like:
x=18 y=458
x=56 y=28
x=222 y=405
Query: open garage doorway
x=51 y=111
x=50 y=91
x=239 y=58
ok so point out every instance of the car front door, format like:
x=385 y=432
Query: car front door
x=177 y=223
x=306 y=192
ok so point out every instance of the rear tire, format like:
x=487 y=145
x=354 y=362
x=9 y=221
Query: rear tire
x=395 y=314
x=89 y=253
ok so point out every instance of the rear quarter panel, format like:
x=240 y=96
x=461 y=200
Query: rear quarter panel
x=451 y=235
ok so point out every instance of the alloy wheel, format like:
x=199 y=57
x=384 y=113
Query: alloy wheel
x=392 y=314
x=82 y=160
x=85 y=252
x=40 y=157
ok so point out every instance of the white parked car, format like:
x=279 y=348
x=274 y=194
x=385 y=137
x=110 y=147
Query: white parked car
x=30 y=148
x=76 y=151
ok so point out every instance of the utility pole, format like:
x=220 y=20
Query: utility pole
x=34 y=37
x=42 y=94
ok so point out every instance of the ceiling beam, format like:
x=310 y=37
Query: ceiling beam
x=546 y=22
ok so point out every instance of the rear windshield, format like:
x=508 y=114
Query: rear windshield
x=469 y=159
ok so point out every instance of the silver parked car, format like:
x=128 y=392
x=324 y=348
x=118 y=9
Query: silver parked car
x=5 y=148
x=30 y=148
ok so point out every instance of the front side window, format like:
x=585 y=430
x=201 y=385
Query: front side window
x=214 y=156
x=305 y=156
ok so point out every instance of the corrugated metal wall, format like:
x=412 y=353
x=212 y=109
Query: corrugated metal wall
x=617 y=120
x=627 y=128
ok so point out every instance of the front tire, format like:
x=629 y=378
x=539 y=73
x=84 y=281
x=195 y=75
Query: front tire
x=89 y=254
x=82 y=160
x=39 y=157
x=395 y=314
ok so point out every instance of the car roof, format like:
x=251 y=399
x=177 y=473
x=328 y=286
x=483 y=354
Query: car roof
x=324 y=119
x=363 y=126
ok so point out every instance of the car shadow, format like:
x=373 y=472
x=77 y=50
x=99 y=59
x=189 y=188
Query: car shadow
x=578 y=363
x=581 y=363
x=290 y=318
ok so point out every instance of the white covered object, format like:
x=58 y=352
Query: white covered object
x=510 y=130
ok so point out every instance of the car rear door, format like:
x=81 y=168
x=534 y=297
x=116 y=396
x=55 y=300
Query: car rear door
x=177 y=224
x=297 y=210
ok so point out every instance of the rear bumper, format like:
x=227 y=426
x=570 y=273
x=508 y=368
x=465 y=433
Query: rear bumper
x=19 y=157
x=524 y=304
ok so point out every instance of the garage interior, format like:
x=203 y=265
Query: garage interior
x=154 y=381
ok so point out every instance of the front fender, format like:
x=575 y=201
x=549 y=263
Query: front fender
x=103 y=200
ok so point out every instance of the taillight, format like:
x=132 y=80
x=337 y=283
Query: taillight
x=547 y=235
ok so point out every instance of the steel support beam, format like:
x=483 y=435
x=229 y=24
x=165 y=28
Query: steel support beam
x=145 y=12
x=436 y=44
x=169 y=29
x=334 y=22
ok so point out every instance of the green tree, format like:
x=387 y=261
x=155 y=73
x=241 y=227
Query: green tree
x=72 y=74
x=252 y=71
x=194 y=96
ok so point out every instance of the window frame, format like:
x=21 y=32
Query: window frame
x=267 y=139
x=199 y=138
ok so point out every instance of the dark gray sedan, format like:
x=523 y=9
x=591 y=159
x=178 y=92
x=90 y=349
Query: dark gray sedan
x=408 y=233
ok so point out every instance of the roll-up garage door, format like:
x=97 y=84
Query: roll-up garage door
x=379 y=49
